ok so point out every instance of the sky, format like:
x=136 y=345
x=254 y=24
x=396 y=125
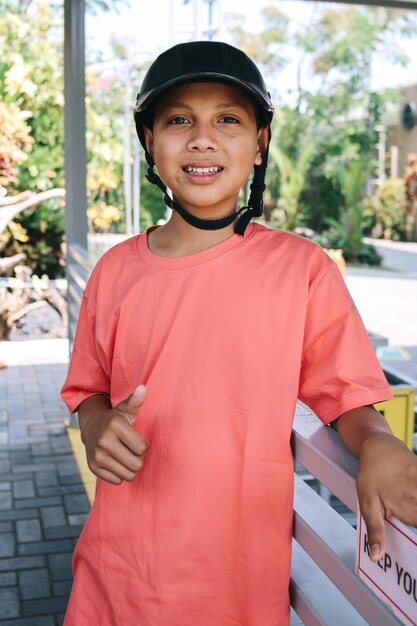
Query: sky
x=150 y=26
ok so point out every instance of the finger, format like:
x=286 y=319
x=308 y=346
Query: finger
x=107 y=476
x=130 y=407
x=126 y=448
x=373 y=515
x=109 y=468
x=125 y=458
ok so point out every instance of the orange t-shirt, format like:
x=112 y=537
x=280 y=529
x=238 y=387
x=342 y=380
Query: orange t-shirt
x=225 y=340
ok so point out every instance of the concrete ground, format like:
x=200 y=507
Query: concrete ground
x=43 y=504
x=387 y=302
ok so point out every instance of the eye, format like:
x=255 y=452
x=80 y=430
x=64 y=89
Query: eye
x=178 y=119
x=229 y=119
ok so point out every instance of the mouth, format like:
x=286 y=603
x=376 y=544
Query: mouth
x=202 y=171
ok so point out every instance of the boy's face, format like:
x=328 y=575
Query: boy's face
x=205 y=142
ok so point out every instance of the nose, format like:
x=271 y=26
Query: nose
x=202 y=137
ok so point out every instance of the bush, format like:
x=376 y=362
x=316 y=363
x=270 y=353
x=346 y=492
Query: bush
x=385 y=212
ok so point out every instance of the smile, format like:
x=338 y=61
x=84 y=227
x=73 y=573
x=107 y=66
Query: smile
x=202 y=171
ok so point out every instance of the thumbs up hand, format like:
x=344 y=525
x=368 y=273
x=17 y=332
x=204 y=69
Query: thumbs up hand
x=130 y=407
x=115 y=451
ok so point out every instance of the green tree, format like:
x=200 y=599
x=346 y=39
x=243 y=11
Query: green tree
x=292 y=175
x=335 y=110
x=31 y=80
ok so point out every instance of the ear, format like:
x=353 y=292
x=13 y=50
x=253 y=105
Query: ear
x=262 y=143
x=148 y=139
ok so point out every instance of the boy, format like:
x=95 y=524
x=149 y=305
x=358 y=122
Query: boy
x=226 y=323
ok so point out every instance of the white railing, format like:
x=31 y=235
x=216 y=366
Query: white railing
x=324 y=587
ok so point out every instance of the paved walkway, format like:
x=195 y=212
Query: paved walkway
x=42 y=501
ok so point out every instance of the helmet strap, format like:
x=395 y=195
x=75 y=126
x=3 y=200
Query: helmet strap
x=246 y=213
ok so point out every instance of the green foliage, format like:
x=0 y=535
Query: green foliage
x=105 y=128
x=337 y=114
x=385 y=212
x=39 y=235
x=152 y=206
x=15 y=141
x=265 y=48
x=339 y=236
x=31 y=99
x=31 y=88
x=348 y=228
x=292 y=182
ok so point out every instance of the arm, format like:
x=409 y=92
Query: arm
x=386 y=481
x=114 y=450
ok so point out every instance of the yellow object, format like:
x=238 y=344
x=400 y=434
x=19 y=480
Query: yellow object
x=337 y=255
x=399 y=412
x=87 y=477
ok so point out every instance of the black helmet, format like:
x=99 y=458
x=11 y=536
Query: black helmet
x=206 y=61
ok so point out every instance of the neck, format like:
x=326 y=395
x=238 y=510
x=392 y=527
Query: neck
x=178 y=238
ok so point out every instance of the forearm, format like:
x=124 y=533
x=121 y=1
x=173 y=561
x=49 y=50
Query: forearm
x=357 y=425
x=91 y=407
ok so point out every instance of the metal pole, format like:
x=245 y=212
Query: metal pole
x=394 y=162
x=127 y=159
x=75 y=146
x=136 y=187
x=381 y=146
x=74 y=135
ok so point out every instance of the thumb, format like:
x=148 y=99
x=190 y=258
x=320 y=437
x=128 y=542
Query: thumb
x=130 y=407
x=373 y=515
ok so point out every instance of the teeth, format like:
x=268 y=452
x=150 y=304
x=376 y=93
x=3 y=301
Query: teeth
x=190 y=169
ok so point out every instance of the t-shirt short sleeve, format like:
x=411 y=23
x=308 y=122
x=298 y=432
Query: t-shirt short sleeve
x=86 y=373
x=339 y=370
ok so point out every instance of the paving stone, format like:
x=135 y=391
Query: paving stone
x=18 y=457
x=71 y=479
x=21 y=562
x=62 y=587
x=13 y=476
x=8 y=579
x=41 y=449
x=46 y=606
x=5 y=501
x=46 y=479
x=45 y=547
x=5 y=466
x=31 y=621
x=59 y=490
x=7 y=544
x=30 y=467
x=23 y=489
x=6 y=527
x=76 y=503
x=15 y=515
x=60 y=566
x=53 y=516
x=49 y=501
x=9 y=602
x=28 y=530
x=66 y=469
x=5 y=486
x=77 y=518
x=62 y=532
x=34 y=584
